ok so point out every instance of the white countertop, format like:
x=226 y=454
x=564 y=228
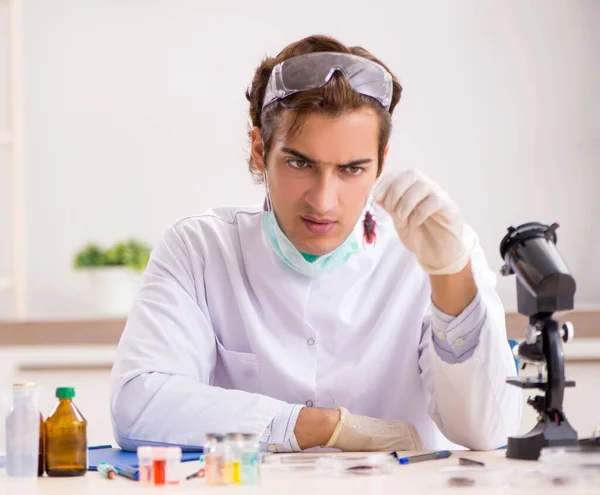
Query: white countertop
x=417 y=479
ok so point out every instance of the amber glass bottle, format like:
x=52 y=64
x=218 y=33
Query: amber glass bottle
x=66 y=437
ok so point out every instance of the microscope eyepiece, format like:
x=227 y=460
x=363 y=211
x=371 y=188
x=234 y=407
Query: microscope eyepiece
x=526 y=231
x=544 y=283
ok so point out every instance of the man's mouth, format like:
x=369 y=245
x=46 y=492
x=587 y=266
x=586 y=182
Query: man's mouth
x=319 y=226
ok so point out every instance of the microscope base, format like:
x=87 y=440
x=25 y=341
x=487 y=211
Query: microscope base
x=544 y=434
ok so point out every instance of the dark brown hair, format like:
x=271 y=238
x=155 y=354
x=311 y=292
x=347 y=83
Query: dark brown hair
x=333 y=99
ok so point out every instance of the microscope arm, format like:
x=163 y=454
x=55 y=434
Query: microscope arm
x=555 y=365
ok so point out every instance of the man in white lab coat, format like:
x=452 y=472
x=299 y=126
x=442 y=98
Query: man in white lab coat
x=351 y=311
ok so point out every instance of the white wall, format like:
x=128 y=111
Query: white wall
x=5 y=170
x=135 y=115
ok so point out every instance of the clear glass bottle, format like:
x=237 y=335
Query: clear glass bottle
x=23 y=432
x=66 y=437
x=214 y=458
x=173 y=462
x=233 y=459
x=250 y=457
x=144 y=455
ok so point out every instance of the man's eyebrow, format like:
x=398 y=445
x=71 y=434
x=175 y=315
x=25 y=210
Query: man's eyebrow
x=297 y=154
x=356 y=163
x=307 y=159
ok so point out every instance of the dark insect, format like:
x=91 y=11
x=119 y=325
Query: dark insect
x=369 y=224
x=461 y=481
x=560 y=481
x=362 y=470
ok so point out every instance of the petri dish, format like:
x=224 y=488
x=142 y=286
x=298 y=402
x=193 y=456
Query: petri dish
x=571 y=466
x=537 y=479
x=576 y=456
x=359 y=465
x=291 y=462
x=479 y=477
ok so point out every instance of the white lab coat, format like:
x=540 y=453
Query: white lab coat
x=223 y=335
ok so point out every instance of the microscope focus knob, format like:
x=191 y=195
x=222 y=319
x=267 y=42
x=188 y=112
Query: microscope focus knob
x=568 y=331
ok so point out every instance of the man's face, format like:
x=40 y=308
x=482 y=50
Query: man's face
x=320 y=177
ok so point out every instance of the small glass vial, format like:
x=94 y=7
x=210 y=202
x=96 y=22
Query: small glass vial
x=23 y=432
x=144 y=455
x=214 y=458
x=233 y=461
x=173 y=462
x=159 y=465
x=250 y=457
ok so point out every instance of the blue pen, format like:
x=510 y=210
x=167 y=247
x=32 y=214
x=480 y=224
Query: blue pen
x=128 y=472
x=441 y=454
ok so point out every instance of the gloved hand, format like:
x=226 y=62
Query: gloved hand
x=428 y=222
x=355 y=433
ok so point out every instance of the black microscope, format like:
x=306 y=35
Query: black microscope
x=544 y=286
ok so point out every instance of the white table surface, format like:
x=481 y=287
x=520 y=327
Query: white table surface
x=420 y=478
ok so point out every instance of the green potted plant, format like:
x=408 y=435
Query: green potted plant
x=113 y=274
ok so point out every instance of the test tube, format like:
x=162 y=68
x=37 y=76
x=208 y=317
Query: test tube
x=159 y=465
x=233 y=457
x=214 y=458
x=144 y=455
x=250 y=457
x=173 y=462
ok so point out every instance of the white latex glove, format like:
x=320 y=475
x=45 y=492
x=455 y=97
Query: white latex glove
x=428 y=222
x=355 y=433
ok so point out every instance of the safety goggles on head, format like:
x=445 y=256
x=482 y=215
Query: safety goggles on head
x=314 y=70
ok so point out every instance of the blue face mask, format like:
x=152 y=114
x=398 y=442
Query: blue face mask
x=295 y=259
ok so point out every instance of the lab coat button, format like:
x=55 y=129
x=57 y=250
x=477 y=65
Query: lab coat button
x=267 y=432
x=310 y=341
x=441 y=335
x=309 y=403
x=459 y=341
x=272 y=447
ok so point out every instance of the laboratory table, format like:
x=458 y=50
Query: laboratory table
x=419 y=479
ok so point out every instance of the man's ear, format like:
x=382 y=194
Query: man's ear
x=257 y=149
x=383 y=160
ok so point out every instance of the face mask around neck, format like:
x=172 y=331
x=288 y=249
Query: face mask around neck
x=284 y=248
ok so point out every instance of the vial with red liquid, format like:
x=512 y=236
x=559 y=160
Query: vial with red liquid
x=159 y=465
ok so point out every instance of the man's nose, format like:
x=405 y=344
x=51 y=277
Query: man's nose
x=323 y=194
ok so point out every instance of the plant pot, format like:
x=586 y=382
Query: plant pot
x=112 y=290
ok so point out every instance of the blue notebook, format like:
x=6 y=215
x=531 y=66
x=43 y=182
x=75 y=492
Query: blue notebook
x=118 y=457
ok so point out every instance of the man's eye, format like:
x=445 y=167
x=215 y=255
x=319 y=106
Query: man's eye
x=296 y=163
x=354 y=170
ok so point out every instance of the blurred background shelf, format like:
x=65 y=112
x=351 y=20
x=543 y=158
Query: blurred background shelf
x=106 y=332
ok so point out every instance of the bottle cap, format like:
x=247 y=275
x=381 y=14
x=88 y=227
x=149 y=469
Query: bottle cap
x=23 y=389
x=144 y=451
x=174 y=453
x=158 y=453
x=235 y=437
x=65 y=392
